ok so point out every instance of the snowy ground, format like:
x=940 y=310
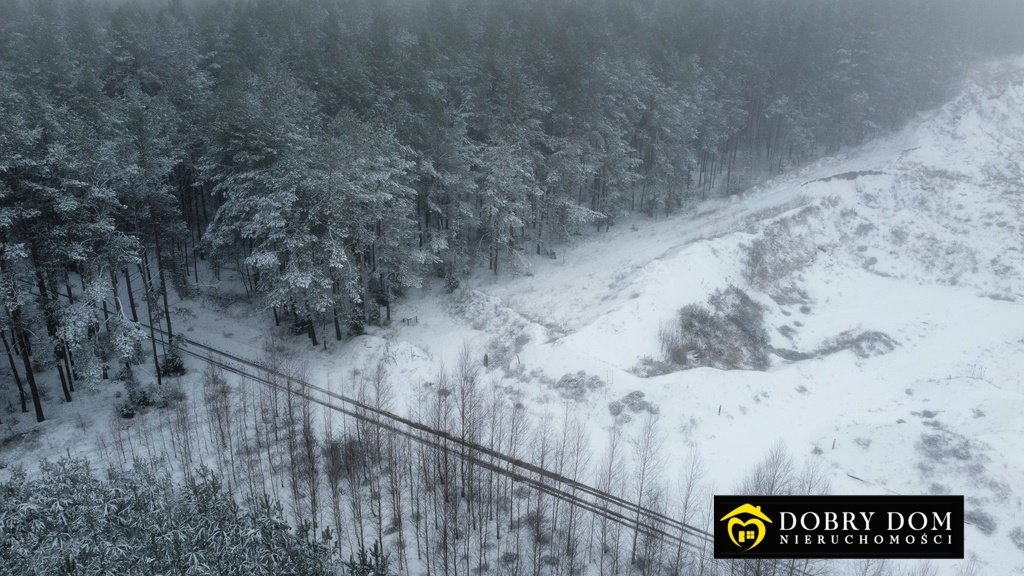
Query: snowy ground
x=918 y=236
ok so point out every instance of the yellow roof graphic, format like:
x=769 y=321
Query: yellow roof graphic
x=747 y=509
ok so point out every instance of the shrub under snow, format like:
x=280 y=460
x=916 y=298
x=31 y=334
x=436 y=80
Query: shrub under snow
x=727 y=333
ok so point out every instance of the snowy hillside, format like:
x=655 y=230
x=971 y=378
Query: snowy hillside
x=918 y=237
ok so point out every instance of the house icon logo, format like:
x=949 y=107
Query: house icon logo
x=746 y=526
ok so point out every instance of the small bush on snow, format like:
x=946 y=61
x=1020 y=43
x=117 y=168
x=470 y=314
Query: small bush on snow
x=577 y=386
x=632 y=402
x=1017 y=537
x=776 y=255
x=728 y=333
x=941 y=447
x=649 y=366
x=172 y=365
x=864 y=344
x=141 y=397
x=981 y=520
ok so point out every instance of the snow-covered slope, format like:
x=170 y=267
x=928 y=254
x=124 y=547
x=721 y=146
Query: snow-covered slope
x=918 y=237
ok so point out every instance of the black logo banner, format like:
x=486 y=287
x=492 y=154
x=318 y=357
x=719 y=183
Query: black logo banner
x=839 y=527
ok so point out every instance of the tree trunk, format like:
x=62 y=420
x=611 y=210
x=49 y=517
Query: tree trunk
x=44 y=296
x=163 y=285
x=27 y=363
x=69 y=365
x=149 y=313
x=364 y=280
x=63 y=382
x=14 y=370
x=116 y=291
x=312 y=330
x=67 y=285
x=131 y=296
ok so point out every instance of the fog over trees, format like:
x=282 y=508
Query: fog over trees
x=332 y=154
x=337 y=152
